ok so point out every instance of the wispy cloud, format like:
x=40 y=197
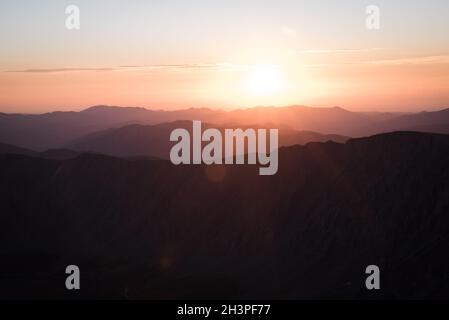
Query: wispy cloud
x=171 y=66
x=426 y=60
x=53 y=70
x=326 y=51
x=191 y=66
x=416 y=61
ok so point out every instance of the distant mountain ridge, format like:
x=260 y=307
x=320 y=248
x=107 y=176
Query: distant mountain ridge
x=57 y=154
x=56 y=129
x=6 y=148
x=154 y=140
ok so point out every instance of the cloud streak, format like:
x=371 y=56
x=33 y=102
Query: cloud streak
x=55 y=70
x=185 y=66
x=328 y=51
x=423 y=60
x=426 y=60
x=412 y=61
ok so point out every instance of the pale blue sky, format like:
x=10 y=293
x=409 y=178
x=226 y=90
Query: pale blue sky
x=33 y=33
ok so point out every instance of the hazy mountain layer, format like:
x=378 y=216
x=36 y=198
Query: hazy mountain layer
x=54 y=130
x=154 y=141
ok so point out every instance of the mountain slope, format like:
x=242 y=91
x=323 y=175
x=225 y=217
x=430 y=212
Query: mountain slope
x=10 y=149
x=139 y=140
x=148 y=229
x=436 y=122
x=56 y=129
x=53 y=130
x=325 y=120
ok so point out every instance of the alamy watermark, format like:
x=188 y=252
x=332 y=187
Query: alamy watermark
x=72 y=282
x=372 y=22
x=73 y=19
x=212 y=153
x=372 y=282
x=373 y=19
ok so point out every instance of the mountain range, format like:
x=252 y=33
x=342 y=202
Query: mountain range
x=56 y=130
x=142 y=228
x=154 y=140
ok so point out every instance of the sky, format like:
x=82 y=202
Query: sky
x=175 y=54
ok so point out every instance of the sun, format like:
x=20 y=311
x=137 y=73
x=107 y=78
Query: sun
x=263 y=80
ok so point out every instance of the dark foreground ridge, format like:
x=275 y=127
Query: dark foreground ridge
x=148 y=229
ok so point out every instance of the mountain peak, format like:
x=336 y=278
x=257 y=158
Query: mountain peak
x=110 y=108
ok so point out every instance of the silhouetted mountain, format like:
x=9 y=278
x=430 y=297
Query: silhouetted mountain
x=325 y=120
x=56 y=129
x=140 y=140
x=148 y=229
x=10 y=149
x=53 y=130
x=423 y=118
x=58 y=154
x=436 y=128
x=436 y=122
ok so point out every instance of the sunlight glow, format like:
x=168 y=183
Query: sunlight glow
x=265 y=80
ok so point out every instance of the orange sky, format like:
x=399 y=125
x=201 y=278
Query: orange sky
x=280 y=54
x=384 y=85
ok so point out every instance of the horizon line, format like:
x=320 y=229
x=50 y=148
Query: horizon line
x=229 y=109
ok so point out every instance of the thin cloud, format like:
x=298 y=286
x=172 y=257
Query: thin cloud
x=54 y=70
x=220 y=66
x=326 y=51
x=179 y=66
x=417 y=61
x=426 y=60
x=185 y=66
